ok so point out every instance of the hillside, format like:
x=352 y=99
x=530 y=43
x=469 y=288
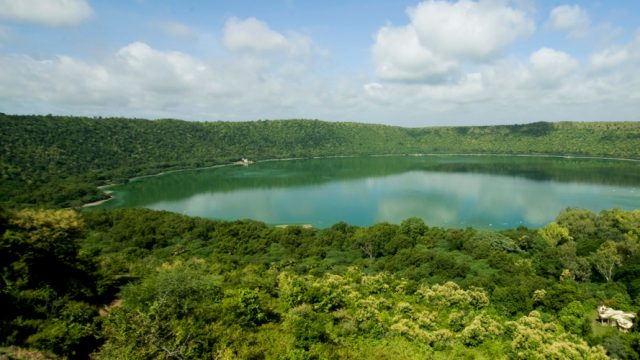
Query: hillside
x=143 y=284
x=59 y=161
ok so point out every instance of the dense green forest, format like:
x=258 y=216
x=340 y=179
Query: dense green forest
x=141 y=284
x=60 y=161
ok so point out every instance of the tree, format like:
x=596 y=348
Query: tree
x=307 y=326
x=581 y=224
x=573 y=318
x=606 y=259
x=554 y=234
x=46 y=284
x=371 y=241
x=413 y=227
x=578 y=266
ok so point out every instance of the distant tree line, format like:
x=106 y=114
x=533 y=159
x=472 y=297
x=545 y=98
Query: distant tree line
x=59 y=161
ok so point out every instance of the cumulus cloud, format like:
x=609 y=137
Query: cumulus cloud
x=550 y=66
x=399 y=56
x=46 y=12
x=611 y=58
x=450 y=62
x=572 y=19
x=618 y=57
x=437 y=99
x=272 y=74
x=468 y=29
x=139 y=80
x=415 y=84
x=510 y=90
x=254 y=35
x=441 y=35
x=137 y=77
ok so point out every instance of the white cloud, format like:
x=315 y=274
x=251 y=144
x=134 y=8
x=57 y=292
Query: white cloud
x=442 y=35
x=610 y=58
x=139 y=80
x=468 y=29
x=433 y=98
x=400 y=57
x=510 y=90
x=614 y=58
x=448 y=63
x=415 y=85
x=570 y=18
x=46 y=12
x=254 y=35
x=159 y=73
x=551 y=66
x=136 y=78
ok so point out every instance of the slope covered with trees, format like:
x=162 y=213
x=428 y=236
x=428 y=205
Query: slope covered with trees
x=60 y=161
x=141 y=284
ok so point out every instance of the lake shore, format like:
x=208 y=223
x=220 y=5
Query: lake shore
x=559 y=156
x=96 y=203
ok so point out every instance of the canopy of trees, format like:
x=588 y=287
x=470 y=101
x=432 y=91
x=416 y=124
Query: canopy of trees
x=142 y=284
x=60 y=161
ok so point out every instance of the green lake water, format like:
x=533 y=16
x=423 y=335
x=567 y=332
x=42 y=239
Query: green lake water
x=450 y=191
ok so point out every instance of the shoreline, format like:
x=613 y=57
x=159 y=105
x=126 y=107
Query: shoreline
x=100 y=202
x=96 y=203
x=557 y=156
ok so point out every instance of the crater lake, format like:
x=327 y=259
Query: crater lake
x=486 y=192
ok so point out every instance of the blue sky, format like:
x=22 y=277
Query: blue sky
x=410 y=63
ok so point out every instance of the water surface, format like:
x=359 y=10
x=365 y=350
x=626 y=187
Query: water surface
x=451 y=191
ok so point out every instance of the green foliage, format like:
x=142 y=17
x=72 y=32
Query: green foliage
x=482 y=328
x=606 y=259
x=179 y=288
x=172 y=286
x=306 y=326
x=554 y=234
x=59 y=160
x=450 y=294
x=71 y=332
x=560 y=294
x=244 y=307
x=582 y=225
x=573 y=318
x=155 y=333
x=413 y=228
x=46 y=284
x=513 y=300
x=535 y=339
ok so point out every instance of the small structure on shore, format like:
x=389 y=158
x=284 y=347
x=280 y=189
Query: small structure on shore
x=244 y=162
x=618 y=318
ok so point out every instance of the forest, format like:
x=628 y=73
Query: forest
x=60 y=161
x=144 y=284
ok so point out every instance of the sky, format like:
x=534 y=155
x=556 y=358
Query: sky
x=408 y=63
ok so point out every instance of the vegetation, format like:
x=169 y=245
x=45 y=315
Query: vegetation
x=142 y=284
x=60 y=161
